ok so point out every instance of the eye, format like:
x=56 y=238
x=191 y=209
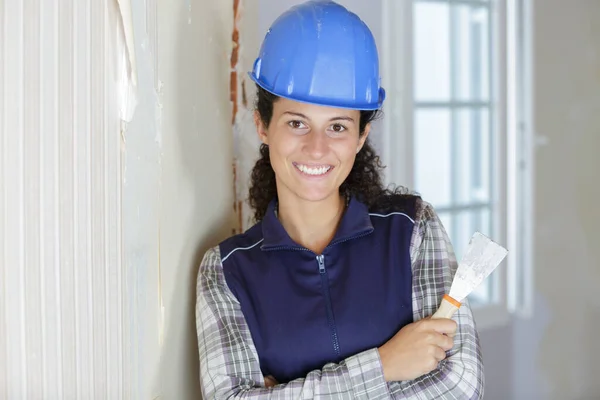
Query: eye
x=295 y=124
x=338 y=128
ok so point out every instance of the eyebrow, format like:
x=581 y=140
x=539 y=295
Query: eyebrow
x=339 y=118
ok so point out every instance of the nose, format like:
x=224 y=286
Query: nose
x=316 y=144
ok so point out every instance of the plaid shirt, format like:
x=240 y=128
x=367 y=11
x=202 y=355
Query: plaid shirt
x=229 y=366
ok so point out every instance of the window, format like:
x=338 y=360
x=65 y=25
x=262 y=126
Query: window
x=450 y=132
x=454 y=167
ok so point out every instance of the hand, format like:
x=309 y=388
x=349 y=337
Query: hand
x=417 y=349
x=270 y=381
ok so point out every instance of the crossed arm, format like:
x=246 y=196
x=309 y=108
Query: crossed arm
x=229 y=366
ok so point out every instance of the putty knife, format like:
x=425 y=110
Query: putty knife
x=481 y=258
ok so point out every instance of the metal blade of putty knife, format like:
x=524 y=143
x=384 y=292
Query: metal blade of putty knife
x=481 y=258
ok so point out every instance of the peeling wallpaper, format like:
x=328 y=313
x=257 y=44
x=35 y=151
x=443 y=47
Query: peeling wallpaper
x=63 y=312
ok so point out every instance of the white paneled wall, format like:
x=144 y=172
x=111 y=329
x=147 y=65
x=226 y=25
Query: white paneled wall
x=102 y=223
x=62 y=307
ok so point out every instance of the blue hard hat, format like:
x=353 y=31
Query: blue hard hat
x=319 y=52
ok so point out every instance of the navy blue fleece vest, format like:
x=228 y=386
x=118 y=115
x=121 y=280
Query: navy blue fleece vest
x=305 y=310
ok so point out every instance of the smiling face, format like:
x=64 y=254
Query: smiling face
x=312 y=148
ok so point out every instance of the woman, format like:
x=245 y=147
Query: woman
x=328 y=295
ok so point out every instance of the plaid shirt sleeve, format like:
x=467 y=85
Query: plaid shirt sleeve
x=460 y=375
x=229 y=366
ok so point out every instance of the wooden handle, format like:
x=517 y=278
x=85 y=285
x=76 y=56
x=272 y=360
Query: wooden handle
x=447 y=308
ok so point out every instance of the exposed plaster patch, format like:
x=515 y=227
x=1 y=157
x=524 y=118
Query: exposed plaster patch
x=233 y=96
x=129 y=81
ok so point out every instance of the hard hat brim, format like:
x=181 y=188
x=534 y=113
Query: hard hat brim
x=324 y=102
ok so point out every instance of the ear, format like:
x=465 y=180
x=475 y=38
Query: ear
x=260 y=128
x=363 y=138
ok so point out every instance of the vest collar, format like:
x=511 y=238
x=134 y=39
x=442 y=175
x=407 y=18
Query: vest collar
x=355 y=222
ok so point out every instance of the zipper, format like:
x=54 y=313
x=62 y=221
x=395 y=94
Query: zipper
x=325 y=282
x=327 y=294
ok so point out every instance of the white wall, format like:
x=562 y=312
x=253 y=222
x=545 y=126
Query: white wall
x=102 y=229
x=141 y=152
x=556 y=353
x=178 y=184
x=196 y=194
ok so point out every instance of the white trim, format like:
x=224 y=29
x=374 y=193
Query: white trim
x=241 y=248
x=397 y=140
x=452 y=104
x=512 y=158
x=463 y=207
x=476 y=3
x=521 y=131
x=394 y=213
x=528 y=132
x=499 y=144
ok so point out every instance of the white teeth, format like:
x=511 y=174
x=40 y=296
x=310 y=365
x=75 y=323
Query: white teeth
x=313 y=171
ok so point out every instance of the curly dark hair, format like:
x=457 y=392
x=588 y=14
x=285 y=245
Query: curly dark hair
x=364 y=181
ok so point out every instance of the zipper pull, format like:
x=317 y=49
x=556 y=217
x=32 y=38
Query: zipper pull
x=321 y=261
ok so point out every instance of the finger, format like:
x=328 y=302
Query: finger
x=439 y=354
x=447 y=343
x=443 y=325
x=270 y=381
x=440 y=340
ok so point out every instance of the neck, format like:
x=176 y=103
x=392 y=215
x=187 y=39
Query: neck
x=311 y=224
